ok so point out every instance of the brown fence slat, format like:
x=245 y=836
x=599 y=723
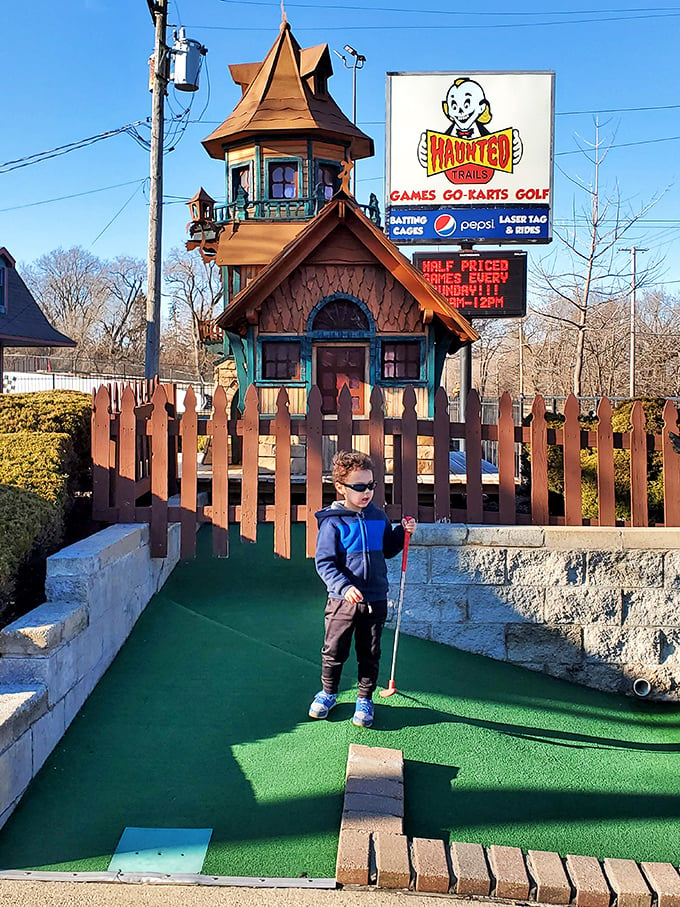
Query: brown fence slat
x=127 y=457
x=314 y=497
x=345 y=419
x=409 y=454
x=250 y=465
x=376 y=442
x=606 y=496
x=159 y=475
x=638 y=467
x=671 y=467
x=442 y=469
x=573 y=508
x=189 y=486
x=282 y=476
x=539 y=463
x=101 y=434
x=220 y=466
x=473 y=457
x=506 y=461
x=173 y=443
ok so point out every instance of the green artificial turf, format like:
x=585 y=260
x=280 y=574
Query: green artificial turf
x=201 y=722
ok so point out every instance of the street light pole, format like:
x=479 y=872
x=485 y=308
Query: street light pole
x=160 y=70
x=358 y=61
x=631 y=355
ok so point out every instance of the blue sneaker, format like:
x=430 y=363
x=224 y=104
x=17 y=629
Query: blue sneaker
x=363 y=715
x=321 y=705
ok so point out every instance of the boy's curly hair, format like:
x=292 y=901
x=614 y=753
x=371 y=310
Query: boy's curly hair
x=346 y=461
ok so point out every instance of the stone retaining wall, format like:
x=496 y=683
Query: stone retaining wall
x=52 y=657
x=598 y=606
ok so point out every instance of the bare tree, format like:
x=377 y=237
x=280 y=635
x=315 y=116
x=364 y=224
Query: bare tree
x=588 y=273
x=195 y=290
x=658 y=344
x=70 y=286
x=122 y=322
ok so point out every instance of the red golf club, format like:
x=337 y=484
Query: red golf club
x=391 y=689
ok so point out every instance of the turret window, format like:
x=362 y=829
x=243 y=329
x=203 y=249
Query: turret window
x=283 y=179
x=240 y=179
x=328 y=177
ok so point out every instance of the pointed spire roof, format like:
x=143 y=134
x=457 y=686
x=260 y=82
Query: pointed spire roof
x=286 y=93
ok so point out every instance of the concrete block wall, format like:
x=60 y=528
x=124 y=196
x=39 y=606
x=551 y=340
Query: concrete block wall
x=598 y=606
x=52 y=657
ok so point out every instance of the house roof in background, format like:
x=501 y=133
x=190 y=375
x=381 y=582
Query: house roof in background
x=24 y=324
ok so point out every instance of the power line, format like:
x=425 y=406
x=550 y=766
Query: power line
x=439 y=26
x=448 y=12
x=61 y=198
x=64 y=149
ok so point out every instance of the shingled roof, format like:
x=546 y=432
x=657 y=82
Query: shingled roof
x=23 y=323
x=286 y=93
x=344 y=212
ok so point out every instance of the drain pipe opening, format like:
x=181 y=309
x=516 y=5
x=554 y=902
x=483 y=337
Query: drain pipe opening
x=642 y=687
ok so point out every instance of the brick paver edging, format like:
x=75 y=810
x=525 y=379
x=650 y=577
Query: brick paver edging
x=372 y=850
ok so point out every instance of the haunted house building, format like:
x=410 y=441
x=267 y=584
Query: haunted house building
x=314 y=292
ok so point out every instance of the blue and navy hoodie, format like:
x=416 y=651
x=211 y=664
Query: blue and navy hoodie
x=351 y=549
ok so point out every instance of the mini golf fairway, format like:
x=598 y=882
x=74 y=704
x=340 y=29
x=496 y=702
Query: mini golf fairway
x=201 y=723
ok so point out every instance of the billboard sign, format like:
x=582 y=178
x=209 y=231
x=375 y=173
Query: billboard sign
x=478 y=284
x=469 y=140
x=493 y=224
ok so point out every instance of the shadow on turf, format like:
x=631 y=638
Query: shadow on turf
x=421 y=714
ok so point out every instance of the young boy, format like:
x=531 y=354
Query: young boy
x=354 y=539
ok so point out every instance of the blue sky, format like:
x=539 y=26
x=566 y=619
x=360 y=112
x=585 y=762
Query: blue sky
x=71 y=71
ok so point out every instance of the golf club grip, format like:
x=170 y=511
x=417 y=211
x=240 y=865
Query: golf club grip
x=404 y=554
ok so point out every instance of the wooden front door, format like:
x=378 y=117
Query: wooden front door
x=337 y=366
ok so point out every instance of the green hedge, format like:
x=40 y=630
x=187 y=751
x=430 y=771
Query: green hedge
x=44 y=462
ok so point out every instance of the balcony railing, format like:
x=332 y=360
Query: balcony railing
x=283 y=209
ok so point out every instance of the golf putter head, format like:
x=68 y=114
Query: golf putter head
x=391 y=689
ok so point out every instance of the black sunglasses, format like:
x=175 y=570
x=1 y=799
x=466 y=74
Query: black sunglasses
x=360 y=486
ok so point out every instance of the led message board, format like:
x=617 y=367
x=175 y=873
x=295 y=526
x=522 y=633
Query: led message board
x=479 y=284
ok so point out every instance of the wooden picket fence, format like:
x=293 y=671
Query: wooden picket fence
x=135 y=448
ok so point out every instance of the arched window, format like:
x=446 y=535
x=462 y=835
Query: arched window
x=340 y=315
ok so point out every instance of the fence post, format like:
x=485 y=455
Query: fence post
x=671 y=468
x=571 y=451
x=127 y=459
x=442 y=468
x=344 y=419
x=189 y=482
x=639 y=512
x=473 y=457
x=606 y=497
x=250 y=467
x=506 y=462
x=220 y=501
x=159 y=475
x=538 y=433
x=282 y=512
x=409 y=454
x=376 y=443
x=101 y=436
x=314 y=491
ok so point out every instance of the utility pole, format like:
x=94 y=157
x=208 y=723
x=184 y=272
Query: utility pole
x=160 y=71
x=631 y=356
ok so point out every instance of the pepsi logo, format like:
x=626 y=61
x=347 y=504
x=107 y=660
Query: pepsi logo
x=445 y=225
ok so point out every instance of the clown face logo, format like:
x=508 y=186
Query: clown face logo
x=468 y=152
